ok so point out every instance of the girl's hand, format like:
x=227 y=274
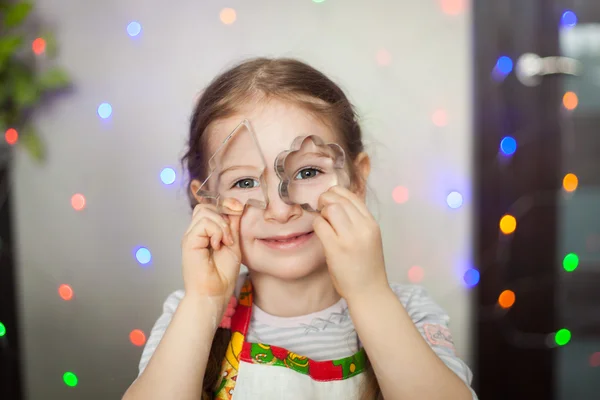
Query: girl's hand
x=211 y=253
x=352 y=241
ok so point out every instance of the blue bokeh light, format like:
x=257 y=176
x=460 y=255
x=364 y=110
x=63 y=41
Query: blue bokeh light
x=104 y=110
x=504 y=65
x=568 y=19
x=454 y=200
x=508 y=145
x=471 y=277
x=143 y=255
x=167 y=175
x=134 y=28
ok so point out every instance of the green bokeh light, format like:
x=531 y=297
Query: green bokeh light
x=318 y=1
x=570 y=262
x=562 y=337
x=70 y=379
x=2 y=329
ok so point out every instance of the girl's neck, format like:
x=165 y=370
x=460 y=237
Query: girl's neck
x=293 y=298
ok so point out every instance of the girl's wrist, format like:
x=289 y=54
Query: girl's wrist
x=212 y=306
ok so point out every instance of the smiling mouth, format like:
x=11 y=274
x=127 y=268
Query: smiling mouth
x=288 y=241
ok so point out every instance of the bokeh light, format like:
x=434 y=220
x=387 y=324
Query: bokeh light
x=134 y=28
x=38 y=46
x=137 y=337
x=570 y=100
x=506 y=299
x=570 y=262
x=416 y=274
x=400 y=194
x=11 y=136
x=167 y=175
x=504 y=65
x=2 y=330
x=570 y=182
x=508 y=224
x=143 y=255
x=70 y=379
x=508 y=146
x=318 y=1
x=453 y=7
x=562 y=337
x=383 y=57
x=440 y=118
x=471 y=277
x=65 y=292
x=228 y=16
x=78 y=201
x=568 y=19
x=104 y=110
x=595 y=359
x=454 y=200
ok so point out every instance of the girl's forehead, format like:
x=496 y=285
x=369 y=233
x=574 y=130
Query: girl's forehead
x=275 y=124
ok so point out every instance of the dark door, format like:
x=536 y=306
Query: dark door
x=537 y=163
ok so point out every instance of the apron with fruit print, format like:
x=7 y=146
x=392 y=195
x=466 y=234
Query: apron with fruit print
x=252 y=371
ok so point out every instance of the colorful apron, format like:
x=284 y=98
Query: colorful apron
x=252 y=371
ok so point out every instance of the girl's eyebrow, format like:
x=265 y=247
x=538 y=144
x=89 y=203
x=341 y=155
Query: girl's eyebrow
x=236 y=167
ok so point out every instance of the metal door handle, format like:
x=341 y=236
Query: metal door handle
x=531 y=68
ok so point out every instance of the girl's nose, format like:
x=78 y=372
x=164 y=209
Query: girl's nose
x=277 y=210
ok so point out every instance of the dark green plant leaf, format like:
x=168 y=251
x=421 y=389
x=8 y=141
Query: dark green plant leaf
x=32 y=142
x=53 y=79
x=9 y=44
x=26 y=91
x=16 y=14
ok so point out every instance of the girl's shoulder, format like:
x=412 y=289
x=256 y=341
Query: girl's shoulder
x=417 y=301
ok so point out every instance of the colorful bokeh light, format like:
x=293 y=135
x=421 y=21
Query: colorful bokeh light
x=570 y=100
x=568 y=19
x=454 y=200
x=143 y=255
x=11 y=136
x=167 y=176
x=416 y=274
x=383 y=57
x=471 y=277
x=504 y=65
x=506 y=299
x=440 y=118
x=570 y=262
x=400 y=194
x=228 y=16
x=78 y=201
x=134 y=28
x=508 y=224
x=65 y=292
x=595 y=359
x=2 y=330
x=453 y=7
x=570 y=182
x=508 y=146
x=137 y=337
x=105 y=110
x=562 y=337
x=38 y=46
x=70 y=379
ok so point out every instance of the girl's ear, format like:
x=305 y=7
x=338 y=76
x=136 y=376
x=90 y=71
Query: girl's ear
x=194 y=186
x=362 y=166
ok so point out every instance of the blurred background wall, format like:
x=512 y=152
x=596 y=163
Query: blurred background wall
x=105 y=213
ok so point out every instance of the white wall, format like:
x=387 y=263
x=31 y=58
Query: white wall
x=151 y=82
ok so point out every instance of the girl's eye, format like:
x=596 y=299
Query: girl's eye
x=246 y=183
x=307 y=173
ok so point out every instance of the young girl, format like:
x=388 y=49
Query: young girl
x=315 y=317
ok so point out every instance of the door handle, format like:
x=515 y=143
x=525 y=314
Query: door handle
x=531 y=68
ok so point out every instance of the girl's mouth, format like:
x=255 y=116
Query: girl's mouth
x=287 y=242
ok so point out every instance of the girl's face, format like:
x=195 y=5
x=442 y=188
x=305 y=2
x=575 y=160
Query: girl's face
x=279 y=240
